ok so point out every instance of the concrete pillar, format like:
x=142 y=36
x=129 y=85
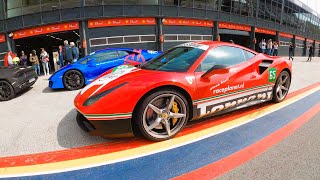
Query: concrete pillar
x=83 y=37
x=294 y=43
x=10 y=43
x=305 y=47
x=159 y=34
x=253 y=38
x=215 y=30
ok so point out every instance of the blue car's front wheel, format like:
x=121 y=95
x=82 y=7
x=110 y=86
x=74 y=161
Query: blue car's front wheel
x=73 y=80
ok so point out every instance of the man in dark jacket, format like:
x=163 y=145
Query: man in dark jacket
x=67 y=56
x=291 y=51
x=310 y=53
x=75 y=51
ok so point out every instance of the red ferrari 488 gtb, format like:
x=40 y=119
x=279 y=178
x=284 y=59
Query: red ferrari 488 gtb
x=187 y=82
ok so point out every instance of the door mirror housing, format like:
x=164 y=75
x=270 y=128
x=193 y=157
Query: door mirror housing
x=216 y=69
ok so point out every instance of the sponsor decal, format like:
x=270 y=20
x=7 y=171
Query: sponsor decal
x=194 y=45
x=228 y=88
x=272 y=74
x=152 y=52
x=229 y=102
x=189 y=79
x=220 y=83
x=104 y=80
x=133 y=58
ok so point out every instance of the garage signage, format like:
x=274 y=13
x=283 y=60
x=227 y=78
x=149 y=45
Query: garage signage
x=286 y=35
x=265 y=31
x=187 y=22
x=46 y=30
x=240 y=27
x=96 y=23
x=2 y=38
x=300 y=38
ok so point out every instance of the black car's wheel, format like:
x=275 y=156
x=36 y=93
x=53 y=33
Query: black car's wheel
x=281 y=88
x=162 y=115
x=73 y=80
x=6 y=91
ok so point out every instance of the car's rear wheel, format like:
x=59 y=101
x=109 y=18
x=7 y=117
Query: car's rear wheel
x=162 y=115
x=281 y=88
x=6 y=91
x=73 y=80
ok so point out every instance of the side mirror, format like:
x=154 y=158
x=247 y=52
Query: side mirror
x=216 y=69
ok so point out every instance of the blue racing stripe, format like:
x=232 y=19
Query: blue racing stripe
x=178 y=161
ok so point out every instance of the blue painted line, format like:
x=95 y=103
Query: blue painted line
x=190 y=157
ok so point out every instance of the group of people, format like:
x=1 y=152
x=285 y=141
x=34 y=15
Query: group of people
x=67 y=54
x=270 y=47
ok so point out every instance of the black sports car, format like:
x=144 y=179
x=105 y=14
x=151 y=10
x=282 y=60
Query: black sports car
x=14 y=80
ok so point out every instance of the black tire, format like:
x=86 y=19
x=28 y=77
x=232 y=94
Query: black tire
x=276 y=94
x=73 y=80
x=6 y=91
x=175 y=124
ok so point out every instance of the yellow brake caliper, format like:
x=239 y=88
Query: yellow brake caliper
x=175 y=109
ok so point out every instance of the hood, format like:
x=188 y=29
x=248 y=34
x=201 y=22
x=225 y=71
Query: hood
x=116 y=76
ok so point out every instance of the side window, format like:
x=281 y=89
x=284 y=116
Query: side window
x=248 y=54
x=105 y=56
x=123 y=53
x=223 y=55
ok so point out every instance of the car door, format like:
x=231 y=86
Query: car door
x=226 y=83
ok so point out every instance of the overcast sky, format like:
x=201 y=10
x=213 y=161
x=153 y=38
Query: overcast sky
x=314 y=4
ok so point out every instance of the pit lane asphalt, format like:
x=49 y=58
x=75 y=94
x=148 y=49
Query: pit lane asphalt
x=41 y=120
x=296 y=157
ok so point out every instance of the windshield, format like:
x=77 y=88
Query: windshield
x=178 y=59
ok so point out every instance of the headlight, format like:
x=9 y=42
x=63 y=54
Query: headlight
x=91 y=100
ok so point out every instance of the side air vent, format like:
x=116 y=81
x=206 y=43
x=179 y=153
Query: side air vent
x=263 y=66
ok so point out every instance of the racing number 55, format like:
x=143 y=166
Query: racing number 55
x=272 y=74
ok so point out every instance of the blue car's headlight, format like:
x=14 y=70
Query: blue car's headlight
x=91 y=100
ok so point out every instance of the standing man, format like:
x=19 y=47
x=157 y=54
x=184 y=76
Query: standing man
x=75 y=51
x=68 y=57
x=291 y=51
x=310 y=53
x=61 y=54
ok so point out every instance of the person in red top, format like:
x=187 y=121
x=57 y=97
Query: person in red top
x=8 y=59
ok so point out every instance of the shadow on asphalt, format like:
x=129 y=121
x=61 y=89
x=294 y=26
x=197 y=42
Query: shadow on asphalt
x=21 y=93
x=49 y=90
x=70 y=135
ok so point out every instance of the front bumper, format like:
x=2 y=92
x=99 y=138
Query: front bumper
x=118 y=128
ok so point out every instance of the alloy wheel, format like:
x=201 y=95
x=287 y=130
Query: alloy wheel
x=283 y=86
x=164 y=116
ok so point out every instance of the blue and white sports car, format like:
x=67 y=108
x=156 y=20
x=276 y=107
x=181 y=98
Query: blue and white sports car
x=75 y=76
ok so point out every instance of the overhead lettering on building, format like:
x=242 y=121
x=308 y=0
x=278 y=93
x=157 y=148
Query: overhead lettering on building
x=240 y=27
x=46 y=30
x=96 y=23
x=187 y=22
x=286 y=35
x=265 y=31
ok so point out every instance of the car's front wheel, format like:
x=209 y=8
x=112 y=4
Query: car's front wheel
x=162 y=115
x=73 y=80
x=6 y=91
